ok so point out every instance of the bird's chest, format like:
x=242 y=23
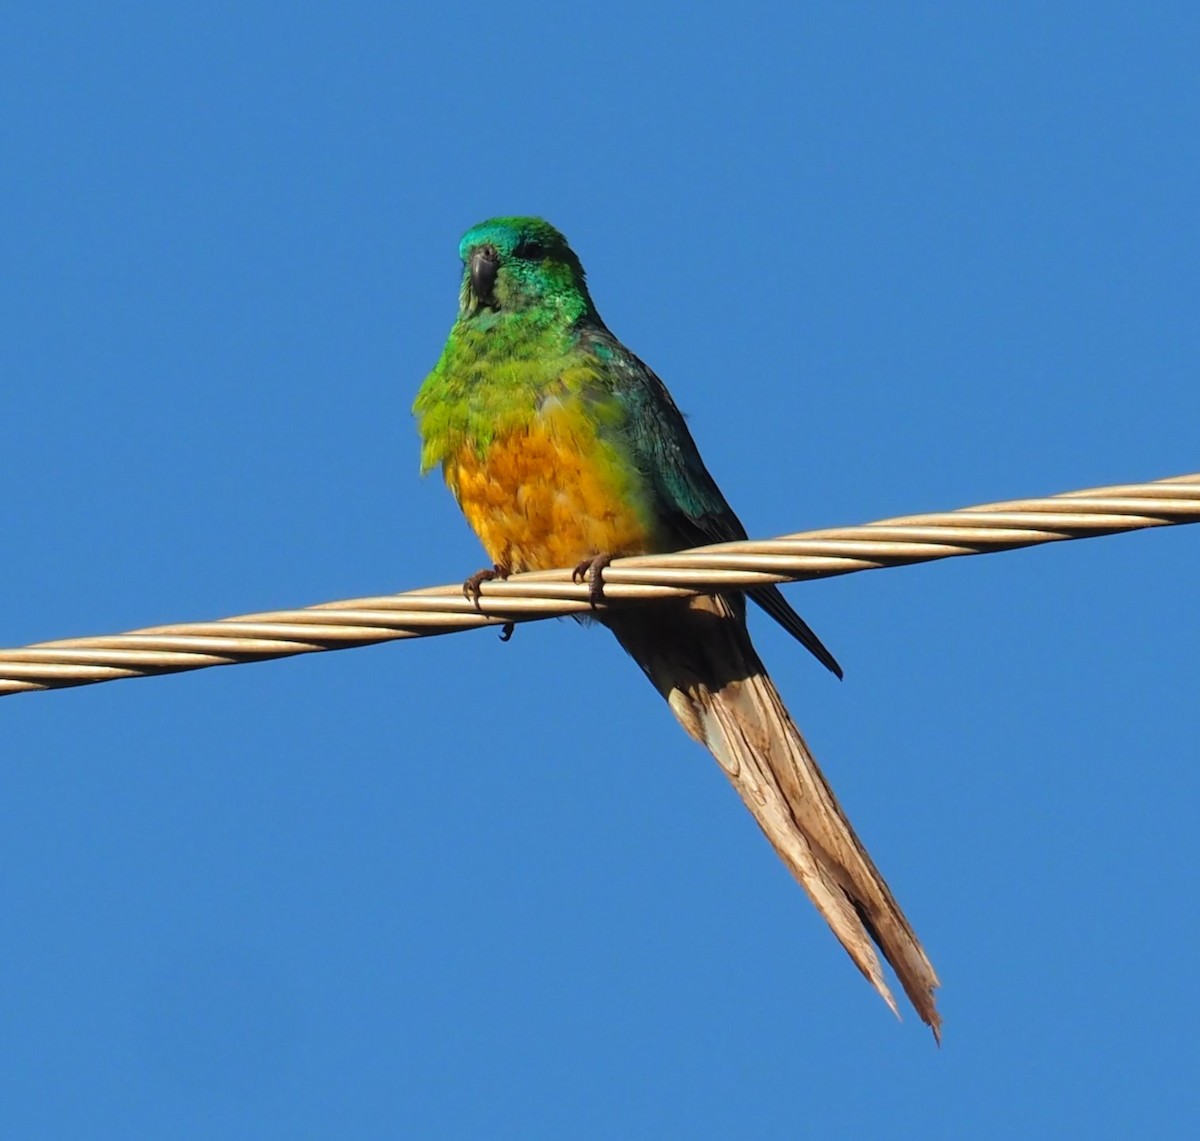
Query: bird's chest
x=549 y=490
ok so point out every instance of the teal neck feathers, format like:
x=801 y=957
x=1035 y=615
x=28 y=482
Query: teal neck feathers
x=522 y=300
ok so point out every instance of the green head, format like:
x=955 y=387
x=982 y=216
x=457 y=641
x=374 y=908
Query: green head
x=512 y=265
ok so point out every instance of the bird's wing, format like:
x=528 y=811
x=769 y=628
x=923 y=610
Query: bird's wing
x=689 y=501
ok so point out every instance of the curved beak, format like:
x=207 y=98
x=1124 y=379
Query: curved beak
x=484 y=265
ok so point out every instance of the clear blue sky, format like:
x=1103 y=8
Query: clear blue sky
x=889 y=258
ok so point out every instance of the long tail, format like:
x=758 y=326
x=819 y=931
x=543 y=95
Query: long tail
x=699 y=656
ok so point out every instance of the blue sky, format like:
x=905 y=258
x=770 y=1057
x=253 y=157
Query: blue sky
x=889 y=258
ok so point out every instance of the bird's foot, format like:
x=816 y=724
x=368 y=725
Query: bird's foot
x=472 y=591
x=471 y=588
x=593 y=571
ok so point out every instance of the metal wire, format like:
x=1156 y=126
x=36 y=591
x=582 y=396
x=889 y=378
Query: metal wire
x=549 y=594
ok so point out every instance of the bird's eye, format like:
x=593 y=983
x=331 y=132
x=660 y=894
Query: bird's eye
x=529 y=251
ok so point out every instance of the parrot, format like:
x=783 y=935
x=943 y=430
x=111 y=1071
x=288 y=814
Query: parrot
x=563 y=449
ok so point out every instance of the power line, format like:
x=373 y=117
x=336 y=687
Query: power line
x=549 y=594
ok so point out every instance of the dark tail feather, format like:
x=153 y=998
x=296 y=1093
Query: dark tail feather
x=771 y=599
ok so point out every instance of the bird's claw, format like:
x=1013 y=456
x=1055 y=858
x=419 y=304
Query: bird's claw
x=592 y=570
x=472 y=587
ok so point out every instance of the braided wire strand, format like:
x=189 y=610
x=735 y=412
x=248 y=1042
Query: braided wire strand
x=548 y=594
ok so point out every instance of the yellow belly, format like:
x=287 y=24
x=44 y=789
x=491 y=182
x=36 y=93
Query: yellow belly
x=550 y=496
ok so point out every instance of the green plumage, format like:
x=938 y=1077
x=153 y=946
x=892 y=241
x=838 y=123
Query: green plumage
x=562 y=447
x=528 y=335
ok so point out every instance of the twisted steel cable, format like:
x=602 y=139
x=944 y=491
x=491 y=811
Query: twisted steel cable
x=549 y=594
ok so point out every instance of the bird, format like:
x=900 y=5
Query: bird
x=563 y=449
